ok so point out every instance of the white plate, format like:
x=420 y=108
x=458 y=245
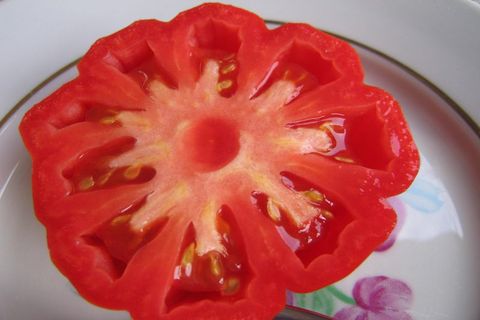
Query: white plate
x=436 y=252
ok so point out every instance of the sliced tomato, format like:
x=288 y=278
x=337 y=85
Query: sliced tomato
x=199 y=168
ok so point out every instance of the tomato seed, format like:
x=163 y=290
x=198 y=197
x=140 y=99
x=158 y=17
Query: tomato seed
x=132 y=172
x=327 y=125
x=225 y=84
x=231 y=286
x=327 y=214
x=344 y=159
x=314 y=196
x=121 y=219
x=188 y=254
x=273 y=210
x=216 y=266
x=108 y=120
x=228 y=68
x=86 y=183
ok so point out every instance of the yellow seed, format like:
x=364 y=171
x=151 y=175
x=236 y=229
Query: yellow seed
x=344 y=159
x=188 y=254
x=104 y=178
x=301 y=77
x=326 y=126
x=86 y=183
x=231 y=286
x=108 y=120
x=314 y=195
x=216 y=267
x=327 y=214
x=121 y=219
x=225 y=84
x=132 y=171
x=273 y=210
x=228 y=68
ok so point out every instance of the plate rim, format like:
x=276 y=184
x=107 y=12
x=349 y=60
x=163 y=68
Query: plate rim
x=459 y=110
x=467 y=119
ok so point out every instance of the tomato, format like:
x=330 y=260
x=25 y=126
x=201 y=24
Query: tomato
x=199 y=168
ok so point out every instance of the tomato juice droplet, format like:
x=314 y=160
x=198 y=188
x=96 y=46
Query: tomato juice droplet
x=210 y=144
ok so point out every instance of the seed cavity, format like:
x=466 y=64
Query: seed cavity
x=227 y=74
x=213 y=274
x=223 y=227
x=118 y=242
x=282 y=200
x=105 y=177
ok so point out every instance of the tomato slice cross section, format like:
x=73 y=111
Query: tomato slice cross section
x=200 y=167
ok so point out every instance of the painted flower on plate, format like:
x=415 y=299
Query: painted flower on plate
x=378 y=298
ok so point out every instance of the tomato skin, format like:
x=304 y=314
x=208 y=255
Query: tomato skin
x=362 y=154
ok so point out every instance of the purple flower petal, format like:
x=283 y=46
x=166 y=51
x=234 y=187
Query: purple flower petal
x=392 y=315
x=381 y=293
x=351 y=313
x=290 y=298
x=358 y=313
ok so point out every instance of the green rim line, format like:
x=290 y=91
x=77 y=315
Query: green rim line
x=471 y=123
x=36 y=89
x=457 y=108
x=340 y=295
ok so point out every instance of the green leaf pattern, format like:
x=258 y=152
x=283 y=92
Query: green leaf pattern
x=324 y=300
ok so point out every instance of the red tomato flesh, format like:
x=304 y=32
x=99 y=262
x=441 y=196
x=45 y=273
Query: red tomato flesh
x=199 y=168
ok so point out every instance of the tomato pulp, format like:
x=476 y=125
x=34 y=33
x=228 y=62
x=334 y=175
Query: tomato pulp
x=200 y=167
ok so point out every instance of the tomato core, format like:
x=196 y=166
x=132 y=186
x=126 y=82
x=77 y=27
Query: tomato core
x=210 y=144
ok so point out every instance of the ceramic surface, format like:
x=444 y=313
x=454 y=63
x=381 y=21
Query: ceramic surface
x=427 y=270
